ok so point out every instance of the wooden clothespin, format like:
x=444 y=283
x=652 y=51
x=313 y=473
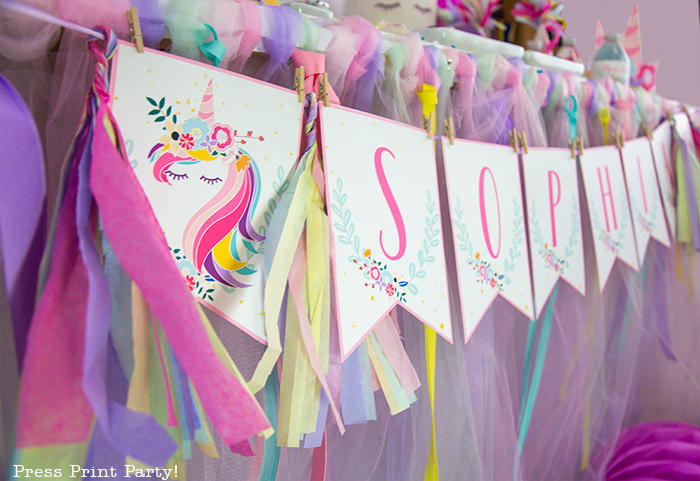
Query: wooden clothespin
x=449 y=129
x=428 y=125
x=513 y=140
x=572 y=147
x=649 y=132
x=132 y=18
x=523 y=141
x=323 y=89
x=579 y=140
x=620 y=140
x=299 y=82
x=669 y=116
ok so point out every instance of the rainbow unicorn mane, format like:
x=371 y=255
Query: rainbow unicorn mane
x=219 y=238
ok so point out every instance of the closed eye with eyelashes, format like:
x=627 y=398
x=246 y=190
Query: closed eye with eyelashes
x=209 y=181
x=394 y=5
x=175 y=176
x=387 y=6
x=422 y=9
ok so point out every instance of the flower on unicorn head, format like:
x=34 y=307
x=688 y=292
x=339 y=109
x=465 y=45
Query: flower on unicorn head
x=221 y=134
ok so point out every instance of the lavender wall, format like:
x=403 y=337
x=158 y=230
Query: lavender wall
x=670 y=35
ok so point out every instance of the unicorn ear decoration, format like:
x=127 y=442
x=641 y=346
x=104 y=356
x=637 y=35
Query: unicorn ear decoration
x=642 y=74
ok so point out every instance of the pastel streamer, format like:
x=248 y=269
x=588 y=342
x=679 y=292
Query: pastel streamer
x=302 y=189
x=22 y=224
x=688 y=172
x=125 y=210
x=526 y=414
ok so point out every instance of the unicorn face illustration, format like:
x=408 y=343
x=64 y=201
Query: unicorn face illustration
x=204 y=164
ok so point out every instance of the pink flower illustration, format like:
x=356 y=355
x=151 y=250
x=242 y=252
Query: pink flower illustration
x=222 y=135
x=483 y=271
x=493 y=282
x=374 y=273
x=549 y=258
x=556 y=267
x=390 y=289
x=190 y=282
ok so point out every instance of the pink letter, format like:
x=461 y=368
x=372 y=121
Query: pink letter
x=484 y=224
x=553 y=203
x=603 y=194
x=641 y=183
x=668 y=166
x=398 y=220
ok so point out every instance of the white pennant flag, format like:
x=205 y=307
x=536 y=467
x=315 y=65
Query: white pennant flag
x=384 y=211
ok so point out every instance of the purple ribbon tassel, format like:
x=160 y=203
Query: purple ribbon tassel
x=22 y=210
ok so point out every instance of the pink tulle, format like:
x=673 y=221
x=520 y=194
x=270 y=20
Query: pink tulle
x=239 y=27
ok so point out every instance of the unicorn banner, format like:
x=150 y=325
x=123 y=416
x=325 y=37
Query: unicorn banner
x=489 y=229
x=665 y=171
x=554 y=219
x=384 y=210
x=212 y=151
x=645 y=201
x=608 y=205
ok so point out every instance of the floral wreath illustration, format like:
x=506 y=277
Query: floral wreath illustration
x=648 y=221
x=210 y=243
x=605 y=236
x=546 y=252
x=484 y=271
x=376 y=273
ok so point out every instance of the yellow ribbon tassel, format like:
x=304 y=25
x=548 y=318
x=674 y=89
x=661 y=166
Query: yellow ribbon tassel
x=428 y=98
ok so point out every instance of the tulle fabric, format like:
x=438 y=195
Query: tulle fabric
x=390 y=101
x=184 y=21
x=526 y=114
x=239 y=26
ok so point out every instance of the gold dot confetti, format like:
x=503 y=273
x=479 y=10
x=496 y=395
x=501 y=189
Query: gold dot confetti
x=442 y=325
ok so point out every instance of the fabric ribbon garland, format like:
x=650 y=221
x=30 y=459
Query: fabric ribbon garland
x=99 y=170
